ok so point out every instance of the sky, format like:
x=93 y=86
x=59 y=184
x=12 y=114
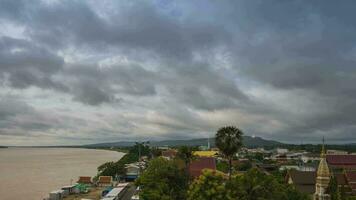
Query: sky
x=81 y=72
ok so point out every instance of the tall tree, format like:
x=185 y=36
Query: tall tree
x=229 y=141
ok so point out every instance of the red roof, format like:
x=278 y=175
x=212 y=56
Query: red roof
x=341 y=160
x=196 y=167
x=105 y=179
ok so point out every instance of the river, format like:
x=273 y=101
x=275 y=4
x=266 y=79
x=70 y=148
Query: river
x=31 y=173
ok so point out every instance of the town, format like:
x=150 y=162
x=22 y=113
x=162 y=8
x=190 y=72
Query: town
x=152 y=172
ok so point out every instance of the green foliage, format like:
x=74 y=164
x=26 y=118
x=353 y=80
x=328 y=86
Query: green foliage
x=222 y=166
x=253 y=185
x=111 y=169
x=162 y=180
x=118 y=168
x=334 y=189
x=290 y=193
x=243 y=166
x=155 y=152
x=343 y=193
x=185 y=153
x=255 y=157
x=209 y=186
x=229 y=140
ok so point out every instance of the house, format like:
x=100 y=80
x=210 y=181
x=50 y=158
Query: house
x=310 y=157
x=304 y=181
x=84 y=180
x=132 y=171
x=196 y=167
x=105 y=181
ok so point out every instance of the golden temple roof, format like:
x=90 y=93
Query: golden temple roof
x=323 y=169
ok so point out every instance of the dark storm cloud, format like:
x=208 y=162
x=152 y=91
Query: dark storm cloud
x=136 y=26
x=24 y=64
x=307 y=46
x=191 y=66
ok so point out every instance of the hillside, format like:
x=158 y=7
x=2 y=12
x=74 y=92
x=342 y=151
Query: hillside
x=247 y=140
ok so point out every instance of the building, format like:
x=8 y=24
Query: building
x=342 y=162
x=196 y=166
x=308 y=168
x=304 y=181
x=281 y=151
x=85 y=180
x=105 y=181
x=322 y=178
x=336 y=152
x=310 y=157
x=132 y=171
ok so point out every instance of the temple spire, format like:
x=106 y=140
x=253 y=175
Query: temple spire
x=323 y=149
x=323 y=177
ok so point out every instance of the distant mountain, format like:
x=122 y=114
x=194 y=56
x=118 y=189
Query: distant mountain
x=247 y=140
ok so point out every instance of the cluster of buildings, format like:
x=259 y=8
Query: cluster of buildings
x=109 y=189
x=309 y=172
x=333 y=164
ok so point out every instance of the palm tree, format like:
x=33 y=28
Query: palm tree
x=229 y=141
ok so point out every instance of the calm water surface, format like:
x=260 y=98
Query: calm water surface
x=31 y=173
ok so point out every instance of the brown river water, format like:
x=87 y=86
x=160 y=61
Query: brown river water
x=31 y=173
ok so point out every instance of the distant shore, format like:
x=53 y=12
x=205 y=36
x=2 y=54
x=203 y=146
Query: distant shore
x=3 y=147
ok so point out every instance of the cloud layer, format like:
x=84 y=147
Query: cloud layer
x=75 y=72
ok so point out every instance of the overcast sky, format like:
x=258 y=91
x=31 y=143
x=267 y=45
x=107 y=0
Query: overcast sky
x=78 y=72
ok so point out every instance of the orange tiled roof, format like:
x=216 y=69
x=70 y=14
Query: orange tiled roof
x=105 y=179
x=84 y=179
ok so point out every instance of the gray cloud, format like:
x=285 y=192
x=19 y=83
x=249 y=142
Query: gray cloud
x=280 y=70
x=23 y=64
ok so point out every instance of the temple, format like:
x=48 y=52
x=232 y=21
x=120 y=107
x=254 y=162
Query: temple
x=323 y=178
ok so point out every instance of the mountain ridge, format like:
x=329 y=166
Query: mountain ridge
x=247 y=140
